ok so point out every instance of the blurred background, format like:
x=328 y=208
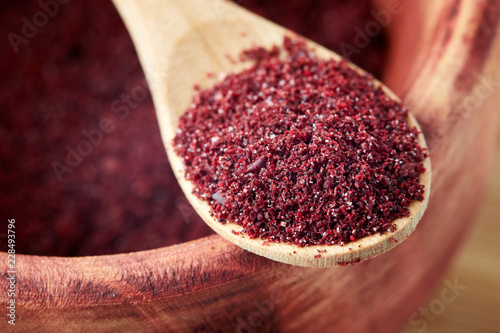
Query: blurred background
x=82 y=165
x=477 y=269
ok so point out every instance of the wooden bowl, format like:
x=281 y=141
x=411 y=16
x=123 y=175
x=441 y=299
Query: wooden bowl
x=441 y=54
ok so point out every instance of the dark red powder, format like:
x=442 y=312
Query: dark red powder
x=301 y=150
x=64 y=78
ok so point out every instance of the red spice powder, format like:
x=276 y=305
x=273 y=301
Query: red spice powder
x=123 y=196
x=301 y=150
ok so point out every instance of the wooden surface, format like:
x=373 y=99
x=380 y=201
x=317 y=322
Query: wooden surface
x=175 y=49
x=477 y=308
x=212 y=285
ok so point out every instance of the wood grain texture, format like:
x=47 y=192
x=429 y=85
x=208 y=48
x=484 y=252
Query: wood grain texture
x=477 y=268
x=212 y=285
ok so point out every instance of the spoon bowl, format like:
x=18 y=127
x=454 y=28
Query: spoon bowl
x=178 y=43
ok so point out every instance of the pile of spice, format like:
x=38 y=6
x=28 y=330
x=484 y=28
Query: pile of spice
x=301 y=150
x=60 y=79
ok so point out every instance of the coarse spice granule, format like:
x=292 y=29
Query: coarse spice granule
x=301 y=150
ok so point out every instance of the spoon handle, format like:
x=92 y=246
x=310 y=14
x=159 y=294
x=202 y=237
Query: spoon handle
x=158 y=28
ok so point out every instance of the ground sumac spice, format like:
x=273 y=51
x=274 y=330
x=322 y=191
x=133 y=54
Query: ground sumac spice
x=62 y=78
x=301 y=150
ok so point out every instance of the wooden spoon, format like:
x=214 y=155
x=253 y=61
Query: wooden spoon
x=178 y=42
